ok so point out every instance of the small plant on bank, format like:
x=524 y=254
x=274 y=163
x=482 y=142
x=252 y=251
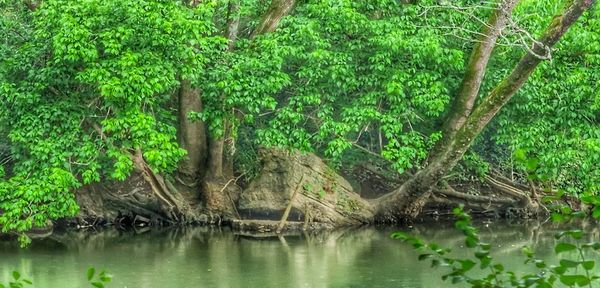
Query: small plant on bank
x=576 y=272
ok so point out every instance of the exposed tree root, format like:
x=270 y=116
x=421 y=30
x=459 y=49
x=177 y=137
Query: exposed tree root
x=507 y=201
x=512 y=201
x=507 y=189
x=175 y=209
x=501 y=178
x=328 y=198
x=220 y=196
x=447 y=190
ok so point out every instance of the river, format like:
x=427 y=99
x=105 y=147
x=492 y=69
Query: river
x=217 y=257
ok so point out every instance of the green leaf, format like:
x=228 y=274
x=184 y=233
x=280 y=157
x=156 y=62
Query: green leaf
x=543 y=285
x=575 y=234
x=466 y=265
x=90 y=273
x=457 y=279
x=556 y=217
x=400 y=236
x=540 y=264
x=16 y=275
x=588 y=265
x=470 y=241
x=568 y=263
x=559 y=269
x=571 y=280
x=485 y=246
x=596 y=212
x=485 y=262
x=564 y=247
x=593 y=245
x=527 y=251
x=481 y=254
x=532 y=164
x=520 y=155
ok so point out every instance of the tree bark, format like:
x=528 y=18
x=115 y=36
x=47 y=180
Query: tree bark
x=218 y=195
x=407 y=202
x=475 y=70
x=270 y=20
x=233 y=23
x=216 y=147
x=31 y=4
x=191 y=135
x=220 y=164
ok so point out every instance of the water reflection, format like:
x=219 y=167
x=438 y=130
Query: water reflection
x=213 y=257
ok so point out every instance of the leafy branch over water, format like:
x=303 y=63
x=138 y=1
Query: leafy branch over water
x=576 y=272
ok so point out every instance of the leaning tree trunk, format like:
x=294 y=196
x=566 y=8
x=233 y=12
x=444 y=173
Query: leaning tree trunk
x=407 y=202
x=475 y=71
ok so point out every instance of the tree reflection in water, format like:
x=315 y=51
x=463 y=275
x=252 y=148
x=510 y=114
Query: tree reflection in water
x=217 y=257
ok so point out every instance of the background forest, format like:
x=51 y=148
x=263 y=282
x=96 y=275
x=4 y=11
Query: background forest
x=188 y=94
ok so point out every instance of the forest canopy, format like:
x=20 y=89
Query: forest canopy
x=93 y=91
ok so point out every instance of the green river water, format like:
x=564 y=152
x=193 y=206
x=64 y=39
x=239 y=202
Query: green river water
x=217 y=257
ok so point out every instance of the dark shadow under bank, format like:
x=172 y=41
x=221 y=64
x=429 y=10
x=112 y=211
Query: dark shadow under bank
x=426 y=227
x=266 y=227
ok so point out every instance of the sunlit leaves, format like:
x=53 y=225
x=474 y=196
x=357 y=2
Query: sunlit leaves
x=554 y=117
x=28 y=202
x=91 y=84
x=356 y=78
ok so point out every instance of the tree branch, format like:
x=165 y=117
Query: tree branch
x=503 y=92
x=31 y=4
x=478 y=61
x=272 y=17
x=233 y=22
x=513 y=82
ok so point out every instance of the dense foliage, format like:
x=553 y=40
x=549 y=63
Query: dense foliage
x=72 y=67
x=85 y=85
x=554 y=119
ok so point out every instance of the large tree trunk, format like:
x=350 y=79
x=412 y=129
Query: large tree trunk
x=407 y=202
x=220 y=194
x=191 y=135
x=219 y=190
x=220 y=161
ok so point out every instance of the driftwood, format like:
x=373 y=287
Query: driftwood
x=289 y=207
